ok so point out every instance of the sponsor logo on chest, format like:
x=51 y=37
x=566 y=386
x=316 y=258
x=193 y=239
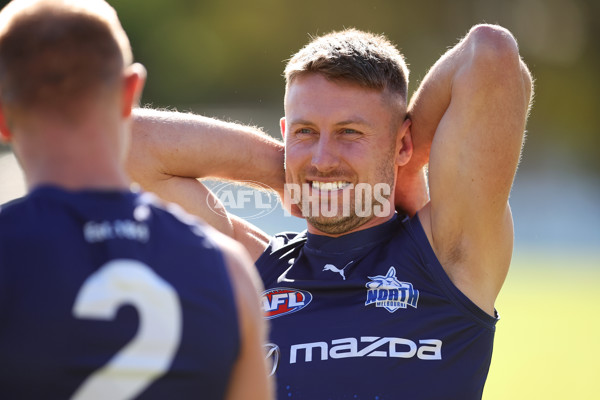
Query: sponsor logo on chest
x=388 y=292
x=370 y=346
x=282 y=301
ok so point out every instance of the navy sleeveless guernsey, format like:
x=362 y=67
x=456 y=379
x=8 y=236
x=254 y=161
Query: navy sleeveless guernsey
x=107 y=295
x=371 y=315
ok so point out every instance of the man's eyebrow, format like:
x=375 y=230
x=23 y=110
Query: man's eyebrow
x=300 y=122
x=355 y=120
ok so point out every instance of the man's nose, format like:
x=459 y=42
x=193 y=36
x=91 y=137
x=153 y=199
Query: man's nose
x=325 y=156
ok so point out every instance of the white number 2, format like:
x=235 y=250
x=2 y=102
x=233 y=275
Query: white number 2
x=149 y=354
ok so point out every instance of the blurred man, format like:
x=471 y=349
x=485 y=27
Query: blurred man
x=368 y=303
x=104 y=293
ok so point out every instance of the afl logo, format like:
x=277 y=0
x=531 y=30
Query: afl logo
x=282 y=301
x=255 y=200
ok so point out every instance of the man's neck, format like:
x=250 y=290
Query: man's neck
x=85 y=159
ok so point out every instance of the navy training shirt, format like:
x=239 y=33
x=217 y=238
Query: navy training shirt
x=107 y=295
x=371 y=315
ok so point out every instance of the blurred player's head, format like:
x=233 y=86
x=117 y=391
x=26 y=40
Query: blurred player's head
x=56 y=55
x=66 y=76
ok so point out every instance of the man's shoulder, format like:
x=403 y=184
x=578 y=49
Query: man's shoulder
x=13 y=204
x=15 y=214
x=172 y=221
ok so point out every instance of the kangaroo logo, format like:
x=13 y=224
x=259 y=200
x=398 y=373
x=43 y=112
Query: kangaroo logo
x=333 y=268
x=388 y=292
x=389 y=280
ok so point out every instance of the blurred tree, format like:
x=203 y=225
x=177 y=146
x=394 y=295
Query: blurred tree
x=233 y=52
x=206 y=54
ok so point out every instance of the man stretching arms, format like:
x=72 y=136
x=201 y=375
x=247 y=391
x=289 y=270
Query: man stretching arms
x=369 y=303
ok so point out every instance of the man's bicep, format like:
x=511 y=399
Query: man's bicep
x=476 y=148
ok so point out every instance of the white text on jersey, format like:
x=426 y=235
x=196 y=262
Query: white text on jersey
x=427 y=349
x=99 y=231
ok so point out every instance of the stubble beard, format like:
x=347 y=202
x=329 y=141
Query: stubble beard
x=340 y=224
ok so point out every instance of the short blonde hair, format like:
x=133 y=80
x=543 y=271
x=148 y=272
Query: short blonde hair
x=366 y=59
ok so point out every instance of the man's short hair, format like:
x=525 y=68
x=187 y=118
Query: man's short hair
x=366 y=59
x=55 y=52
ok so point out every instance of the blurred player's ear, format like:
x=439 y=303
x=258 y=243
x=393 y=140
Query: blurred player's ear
x=5 y=134
x=282 y=126
x=134 y=80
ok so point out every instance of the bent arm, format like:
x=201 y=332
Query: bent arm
x=470 y=111
x=188 y=145
x=170 y=151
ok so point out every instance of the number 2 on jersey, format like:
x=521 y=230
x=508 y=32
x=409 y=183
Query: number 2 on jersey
x=149 y=354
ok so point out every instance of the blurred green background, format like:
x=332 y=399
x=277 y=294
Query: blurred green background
x=225 y=59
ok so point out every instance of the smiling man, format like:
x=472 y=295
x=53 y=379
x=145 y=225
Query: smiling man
x=370 y=302
x=346 y=135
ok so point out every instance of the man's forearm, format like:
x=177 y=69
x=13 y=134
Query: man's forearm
x=425 y=110
x=429 y=103
x=185 y=145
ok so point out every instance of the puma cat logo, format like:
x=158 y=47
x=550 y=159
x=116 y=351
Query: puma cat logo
x=333 y=268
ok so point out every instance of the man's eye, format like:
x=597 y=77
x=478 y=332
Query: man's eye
x=349 y=131
x=304 y=131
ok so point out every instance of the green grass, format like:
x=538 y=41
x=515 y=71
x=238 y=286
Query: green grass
x=547 y=342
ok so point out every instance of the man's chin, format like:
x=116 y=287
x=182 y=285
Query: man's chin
x=337 y=225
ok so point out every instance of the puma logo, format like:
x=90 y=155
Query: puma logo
x=333 y=268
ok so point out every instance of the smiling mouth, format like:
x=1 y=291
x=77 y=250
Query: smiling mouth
x=329 y=186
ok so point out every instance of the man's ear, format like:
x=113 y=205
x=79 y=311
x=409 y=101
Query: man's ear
x=404 y=143
x=282 y=127
x=5 y=133
x=133 y=84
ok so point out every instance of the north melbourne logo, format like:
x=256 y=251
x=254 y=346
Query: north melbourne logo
x=388 y=292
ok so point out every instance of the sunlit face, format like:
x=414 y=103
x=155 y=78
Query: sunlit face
x=339 y=135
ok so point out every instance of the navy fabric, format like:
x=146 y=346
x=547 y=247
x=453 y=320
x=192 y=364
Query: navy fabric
x=53 y=242
x=371 y=315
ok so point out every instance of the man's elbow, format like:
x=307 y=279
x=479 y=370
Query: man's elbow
x=528 y=85
x=496 y=52
x=495 y=46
